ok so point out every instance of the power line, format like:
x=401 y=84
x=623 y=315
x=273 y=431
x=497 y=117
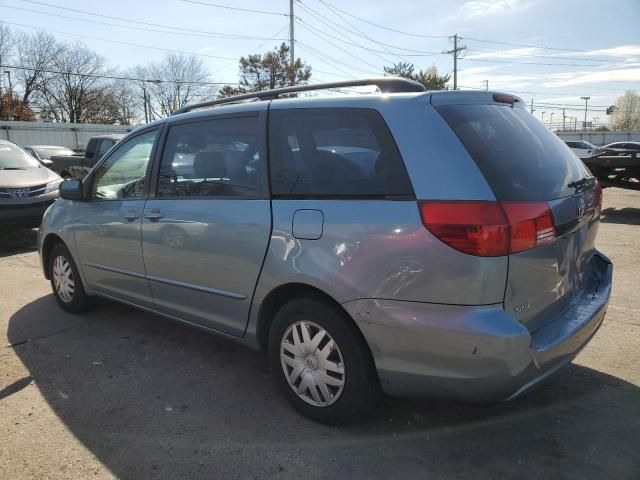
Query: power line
x=137 y=28
x=381 y=26
x=236 y=8
x=139 y=22
x=525 y=45
x=112 y=77
x=118 y=42
x=516 y=54
x=321 y=36
x=471 y=59
x=317 y=16
x=422 y=53
x=330 y=60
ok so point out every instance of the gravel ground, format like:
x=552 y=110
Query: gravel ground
x=117 y=393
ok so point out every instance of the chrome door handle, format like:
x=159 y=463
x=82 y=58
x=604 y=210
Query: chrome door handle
x=154 y=215
x=132 y=215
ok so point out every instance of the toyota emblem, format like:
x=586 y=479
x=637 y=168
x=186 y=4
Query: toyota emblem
x=19 y=193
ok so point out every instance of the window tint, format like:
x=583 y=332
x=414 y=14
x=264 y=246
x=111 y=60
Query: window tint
x=520 y=158
x=214 y=158
x=334 y=152
x=122 y=175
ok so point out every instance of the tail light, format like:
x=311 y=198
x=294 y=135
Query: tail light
x=487 y=228
x=598 y=200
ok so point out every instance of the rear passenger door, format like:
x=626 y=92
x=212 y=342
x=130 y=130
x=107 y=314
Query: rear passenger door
x=205 y=234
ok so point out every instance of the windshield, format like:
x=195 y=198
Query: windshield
x=47 y=152
x=13 y=157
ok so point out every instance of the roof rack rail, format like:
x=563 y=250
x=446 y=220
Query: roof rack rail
x=385 y=84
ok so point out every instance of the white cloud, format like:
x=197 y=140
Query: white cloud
x=596 y=76
x=621 y=51
x=485 y=8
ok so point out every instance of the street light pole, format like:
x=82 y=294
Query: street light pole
x=586 y=101
x=542 y=117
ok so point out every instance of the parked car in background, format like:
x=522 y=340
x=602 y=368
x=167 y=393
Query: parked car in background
x=43 y=153
x=621 y=148
x=424 y=243
x=78 y=165
x=27 y=188
x=582 y=148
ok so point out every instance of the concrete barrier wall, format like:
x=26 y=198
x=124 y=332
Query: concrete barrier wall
x=70 y=135
x=600 y=138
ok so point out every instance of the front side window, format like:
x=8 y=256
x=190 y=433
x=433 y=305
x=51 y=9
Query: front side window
x=122 y=175
x=344 y=152
x=222 y=157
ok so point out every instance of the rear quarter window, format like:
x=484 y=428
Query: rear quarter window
x=519 y=157
x=334 y=152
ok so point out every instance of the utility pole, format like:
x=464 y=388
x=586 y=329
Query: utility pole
x=532 y=110
x=486 y=84
x=542 y=117
x=586 y=101
x=456 y=50
x=551 y=122
x=292 y=42
x=564 y=117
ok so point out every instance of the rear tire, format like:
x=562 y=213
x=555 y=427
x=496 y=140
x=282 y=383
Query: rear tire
x=65 y=281
x=321 y=362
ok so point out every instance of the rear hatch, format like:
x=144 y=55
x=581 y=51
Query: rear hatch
x=551 y=202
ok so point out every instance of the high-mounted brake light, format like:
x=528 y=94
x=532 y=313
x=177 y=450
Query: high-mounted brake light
x=488 y=228
x=504 y=98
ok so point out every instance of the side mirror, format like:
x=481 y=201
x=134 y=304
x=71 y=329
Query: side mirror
x=46 y=163
x=71 y=189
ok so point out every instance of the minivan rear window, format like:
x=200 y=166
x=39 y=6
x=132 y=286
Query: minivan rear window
x=334 y=152
x=520 y=158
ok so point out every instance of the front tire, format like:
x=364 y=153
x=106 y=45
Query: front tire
x=65 y=281
x=321 y=362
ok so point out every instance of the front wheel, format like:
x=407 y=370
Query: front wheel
x=65 y=281
x=321 y=362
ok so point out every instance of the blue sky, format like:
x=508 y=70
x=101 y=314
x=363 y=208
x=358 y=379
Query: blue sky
x=595 y=45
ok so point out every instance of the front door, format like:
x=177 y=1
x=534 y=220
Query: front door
x=108 y=224
x=206 y=232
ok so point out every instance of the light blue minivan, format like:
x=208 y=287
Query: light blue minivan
x=408 y=242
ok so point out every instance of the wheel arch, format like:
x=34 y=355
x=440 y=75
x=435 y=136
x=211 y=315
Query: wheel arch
x=282 y=294
x=50 y=241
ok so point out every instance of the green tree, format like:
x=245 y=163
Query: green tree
x=267 y=71
x=429 y=77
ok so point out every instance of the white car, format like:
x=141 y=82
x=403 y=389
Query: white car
x=582 y=148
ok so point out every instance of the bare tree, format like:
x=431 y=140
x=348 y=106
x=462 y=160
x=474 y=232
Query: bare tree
x=176 y=81
x=626 y=113
x=76 y=93
x=6 y=44
x=36 y=54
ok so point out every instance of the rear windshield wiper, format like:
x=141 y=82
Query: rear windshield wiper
x=577 y=184
x=12 y=168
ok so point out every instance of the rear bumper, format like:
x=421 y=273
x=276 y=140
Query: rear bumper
x=24 y=215
x=477 y=353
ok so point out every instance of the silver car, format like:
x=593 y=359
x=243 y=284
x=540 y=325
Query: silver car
x=413 y=243
x=27 y=188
